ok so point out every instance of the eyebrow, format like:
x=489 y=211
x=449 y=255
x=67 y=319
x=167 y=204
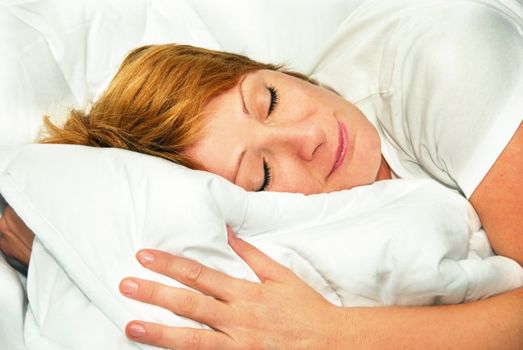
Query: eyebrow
x=244 y=106
x=240 y=158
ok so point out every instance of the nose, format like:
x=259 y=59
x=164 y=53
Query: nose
x=301 y=138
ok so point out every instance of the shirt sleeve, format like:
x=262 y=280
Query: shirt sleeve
x=461 y=81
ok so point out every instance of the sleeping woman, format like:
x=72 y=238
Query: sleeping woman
x=426 y=89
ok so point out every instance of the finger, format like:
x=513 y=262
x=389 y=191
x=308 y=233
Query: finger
x=3 y=225
x=182 y=302
x=18 y=226
x=177 y=337
x=11 y=244
x=263 y=266
x=193 y=274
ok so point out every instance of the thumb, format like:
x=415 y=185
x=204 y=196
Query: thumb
x=263 y=266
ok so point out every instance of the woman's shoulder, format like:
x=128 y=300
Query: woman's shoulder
x=457 y=77
x=472 y=19
x=380 y=33
x=461 y=50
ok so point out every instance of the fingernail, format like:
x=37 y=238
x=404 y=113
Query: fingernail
x=136 y=330
x=129 y=287
x=145 y=257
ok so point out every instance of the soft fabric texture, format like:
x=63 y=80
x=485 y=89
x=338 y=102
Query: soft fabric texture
x=57 y=54
x=13 y=305
x=60 y=54
x=440 y=79
x=408 y=242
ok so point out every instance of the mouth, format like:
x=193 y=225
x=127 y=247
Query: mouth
x=341 y=151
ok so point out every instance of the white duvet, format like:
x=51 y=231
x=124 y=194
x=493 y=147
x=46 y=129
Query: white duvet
x=402 y=242
x=395 y=242
x=58 y=54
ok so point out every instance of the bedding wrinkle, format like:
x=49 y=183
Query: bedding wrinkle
x=54 y=45
x=383 y=242
x=406 y=242
x=328 y=281
x=234 y=208
x=138 y=188
x=243 y=216
x=299 y=262
x=13 y=306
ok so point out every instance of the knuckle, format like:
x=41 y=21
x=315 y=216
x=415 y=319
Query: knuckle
x=156 y=336
x=193 y=341
x=187 y=304
x=149 y=291
x=162 y=262
x=192 y=272
x=159 y=335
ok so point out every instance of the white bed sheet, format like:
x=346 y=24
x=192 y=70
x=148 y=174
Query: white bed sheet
x=13 y=305
x=57 y=54
x=406 y=242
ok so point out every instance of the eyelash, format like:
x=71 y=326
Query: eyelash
x=274 y=98
x=266 y=168
x=267 y=176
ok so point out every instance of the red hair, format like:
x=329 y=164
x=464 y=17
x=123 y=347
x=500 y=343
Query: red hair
x=153 y=104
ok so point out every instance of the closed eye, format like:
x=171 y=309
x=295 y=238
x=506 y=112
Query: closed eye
x=274 y=95
x=266 y=177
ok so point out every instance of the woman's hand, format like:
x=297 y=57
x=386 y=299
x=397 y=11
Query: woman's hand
x=16 y=239
x=281 y=312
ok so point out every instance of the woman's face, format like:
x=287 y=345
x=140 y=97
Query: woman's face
x=276 y=132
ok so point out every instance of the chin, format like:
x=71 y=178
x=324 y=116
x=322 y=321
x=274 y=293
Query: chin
x=355 y=180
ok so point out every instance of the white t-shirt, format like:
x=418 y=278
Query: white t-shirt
x=442 y=81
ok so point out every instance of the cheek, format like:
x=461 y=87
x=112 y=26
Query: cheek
x=297 y=180
x=373 y=149
x=366 y=159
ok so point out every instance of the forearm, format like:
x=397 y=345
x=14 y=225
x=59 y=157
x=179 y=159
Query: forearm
x=502 y=187
x=495 y=323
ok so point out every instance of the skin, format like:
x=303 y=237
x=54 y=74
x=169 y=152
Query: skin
x=503 y=186
x=16 y=239
x=495 y=323
x=300 y=157
x=298 y=141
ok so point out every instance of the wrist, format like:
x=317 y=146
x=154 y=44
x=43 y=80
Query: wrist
x=346 y=329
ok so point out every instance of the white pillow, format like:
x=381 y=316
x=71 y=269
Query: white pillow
x=396 y=242
x=55 y=55
x=289 y=32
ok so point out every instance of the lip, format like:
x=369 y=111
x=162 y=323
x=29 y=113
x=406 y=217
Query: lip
x=341 y=151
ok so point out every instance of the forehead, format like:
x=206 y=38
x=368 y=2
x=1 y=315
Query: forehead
x=222 y=136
